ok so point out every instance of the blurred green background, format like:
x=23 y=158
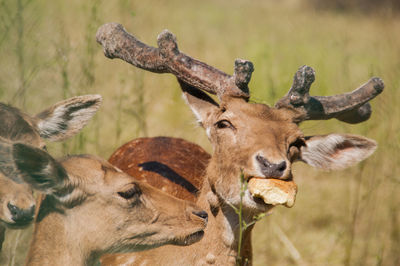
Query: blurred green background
x=48 y=52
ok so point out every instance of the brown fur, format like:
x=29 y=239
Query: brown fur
x=91 y=218
x=17 y=126
x=251 y=129
x=250 y=138
x=172 y=165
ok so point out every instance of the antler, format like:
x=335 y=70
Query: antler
x=350 y=107
x=117 y=43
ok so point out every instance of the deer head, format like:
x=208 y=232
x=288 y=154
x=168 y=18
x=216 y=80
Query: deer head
x=92 y=208
x=256 y=139
x=57 y=123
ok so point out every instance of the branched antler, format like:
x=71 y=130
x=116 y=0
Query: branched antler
x=350 y=107
x=117 y=43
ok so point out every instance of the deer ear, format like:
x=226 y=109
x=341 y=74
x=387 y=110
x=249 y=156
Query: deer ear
x=7 y=166
x=66 y=118
x=336 y=151
x=202 y=105
x=37 y=168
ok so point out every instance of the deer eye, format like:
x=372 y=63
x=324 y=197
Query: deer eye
x=224 y=124
x=130 y=193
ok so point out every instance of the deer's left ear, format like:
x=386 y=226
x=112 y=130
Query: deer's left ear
x=336 y=151
x=66 y=118
x=202 y=105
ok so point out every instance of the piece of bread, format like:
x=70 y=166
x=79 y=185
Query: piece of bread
x=273 y=191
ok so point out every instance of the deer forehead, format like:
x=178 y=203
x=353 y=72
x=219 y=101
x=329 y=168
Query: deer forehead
x=259 y=122
x=91 y=170
x=7 y=185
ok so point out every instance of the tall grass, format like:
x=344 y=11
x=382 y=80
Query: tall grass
x=350 y=217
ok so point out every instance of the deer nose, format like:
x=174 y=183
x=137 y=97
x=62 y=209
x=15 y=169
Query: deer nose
x=202 y=214
x=21 y=216
x=271 y=169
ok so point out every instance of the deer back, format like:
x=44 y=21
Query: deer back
x=172 y=165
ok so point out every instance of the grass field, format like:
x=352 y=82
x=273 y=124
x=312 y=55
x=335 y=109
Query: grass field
x=352 y=217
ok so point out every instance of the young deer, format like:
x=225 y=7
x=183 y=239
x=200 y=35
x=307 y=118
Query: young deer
x=92 y=208
x=57 y=123
x=254 y=139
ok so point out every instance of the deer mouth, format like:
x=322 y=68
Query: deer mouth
x=190 y=239
x=20 y=224
x=272 y=191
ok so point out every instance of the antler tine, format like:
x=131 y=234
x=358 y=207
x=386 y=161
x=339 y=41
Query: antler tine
x=352 y=107
x=117 y=43
x=242 y=75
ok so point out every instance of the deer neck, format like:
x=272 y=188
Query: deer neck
x=223 y=230
x=57 y=241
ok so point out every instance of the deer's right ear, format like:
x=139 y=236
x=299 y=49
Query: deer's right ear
x=202 y=105
x=37 y=168
x=66 y=118
x=336 y=151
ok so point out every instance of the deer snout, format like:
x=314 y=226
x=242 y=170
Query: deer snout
x=19 y=215
x=273 y=170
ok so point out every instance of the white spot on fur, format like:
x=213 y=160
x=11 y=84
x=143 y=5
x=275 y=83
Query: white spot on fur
x=210 y=258
x=208 y=132
x=228 y=236
x=117 y=169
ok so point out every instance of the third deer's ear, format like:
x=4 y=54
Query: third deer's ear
x=202 y=105
x=336 y=151
x=37 y=168
x=66 y=118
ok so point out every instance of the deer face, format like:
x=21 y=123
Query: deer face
x=62 y=120
x=254 y=138
x=263 y=142
x=130 y=215
x=101 y=206
x=17 y=208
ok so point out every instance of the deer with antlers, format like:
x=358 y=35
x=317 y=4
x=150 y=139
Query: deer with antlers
x=58 y=122
x=257 y=140
x=92 y=208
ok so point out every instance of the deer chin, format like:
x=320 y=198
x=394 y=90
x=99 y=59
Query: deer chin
x=273 y=191
x=190 y=239
x=153 y=241
x=18 y=225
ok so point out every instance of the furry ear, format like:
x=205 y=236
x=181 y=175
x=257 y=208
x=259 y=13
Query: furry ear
x=199 y=102
x=7 y=166
x=36 y=167
x=336 y=151
x=66 y=118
